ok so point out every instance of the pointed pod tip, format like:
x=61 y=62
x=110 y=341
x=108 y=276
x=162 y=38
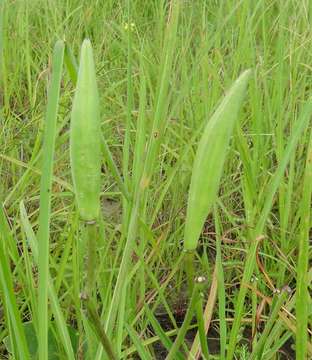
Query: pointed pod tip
x=86 y=43
x=59 y=44
x=247 y=73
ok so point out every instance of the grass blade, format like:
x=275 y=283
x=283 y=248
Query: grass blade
x=165 y=340
x=258 y=350
x=71 y=64
x=55 y=306
x=148 y=166
x=302 y=294
x=209 y=308
x=45 y=197
x=138 y=344
x=187 y=320
x=299 y=127
x=20 y=349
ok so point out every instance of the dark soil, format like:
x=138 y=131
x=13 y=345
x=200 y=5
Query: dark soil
x=285 y=353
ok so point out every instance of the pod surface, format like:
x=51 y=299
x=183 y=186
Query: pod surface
x=209 y=161
x=85 y=138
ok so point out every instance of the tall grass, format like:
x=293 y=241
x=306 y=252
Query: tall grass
x=45 y=198
x=302 y=295
x=240 y=202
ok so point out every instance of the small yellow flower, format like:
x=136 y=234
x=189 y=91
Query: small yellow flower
x=130 y=26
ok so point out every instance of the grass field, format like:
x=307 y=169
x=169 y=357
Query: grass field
x=155 y=181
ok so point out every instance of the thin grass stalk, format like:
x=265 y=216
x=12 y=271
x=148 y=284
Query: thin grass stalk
x=140 y=139
x=254 y=307
x=13 y=318
x=119 y=338
x=270 y=352
x=55 y=305
x=221 y=287
x=280 y=299
x=126 y=213
x=140 y=349
x=299 y=127
x=208 y=312
x=162 y=335
x=71 y=64
x=45 y=198
x=302 y=294
x=99 y=330
x=127 y=139
x=187 y=319
x=162 y=95
x=1 y=57
x=201 y=327
x=148 y=169
x=91 y=229
x=122 y=274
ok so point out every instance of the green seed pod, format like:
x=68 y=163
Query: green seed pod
x=85 y=138
x=209 y=161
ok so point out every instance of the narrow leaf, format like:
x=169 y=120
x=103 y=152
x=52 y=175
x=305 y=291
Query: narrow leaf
x=45 y=196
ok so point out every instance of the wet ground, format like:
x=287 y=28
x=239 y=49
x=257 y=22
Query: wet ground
x=285 y=353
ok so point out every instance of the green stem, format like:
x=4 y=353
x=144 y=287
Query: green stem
x=258 y=350
x=190 y=273
x=91 y=259
x=99 y=330
x=187 y=320
x=89 y=295
x=201 y=328
x=189 y=269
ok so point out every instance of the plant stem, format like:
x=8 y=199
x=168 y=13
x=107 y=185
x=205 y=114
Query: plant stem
x=201 y=328
x=190 y=273
x=189 y=269
x=99 y=330
x=89 y=296
x=258 y=350
x=187 y=320
x=91 y=259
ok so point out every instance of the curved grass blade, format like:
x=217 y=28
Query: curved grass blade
x=71 y=64
x=302 y=294
x=144 y=354
x=13 y=319
x=152 y=151
x=258 y=350
x=187 y=320
x=55 y=305
x=163 y=337
x=45 y=197
x=299 y=127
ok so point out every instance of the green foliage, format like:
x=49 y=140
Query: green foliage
x=158 y=152
x=32 y=342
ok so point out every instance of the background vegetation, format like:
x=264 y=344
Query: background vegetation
x=254 y=246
